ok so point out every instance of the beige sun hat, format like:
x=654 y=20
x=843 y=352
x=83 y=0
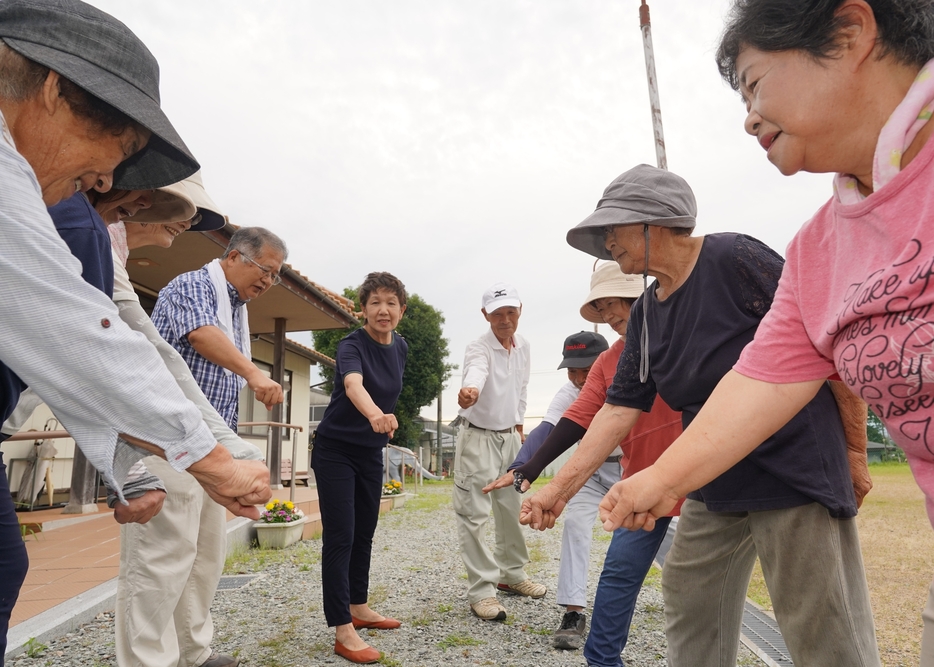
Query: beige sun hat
x=185 y=200
x=609 y=281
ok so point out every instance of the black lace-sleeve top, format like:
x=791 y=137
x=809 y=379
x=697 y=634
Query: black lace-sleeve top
x=695 y=337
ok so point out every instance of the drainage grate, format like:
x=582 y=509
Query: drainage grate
x=233 y=582
x=762 y=631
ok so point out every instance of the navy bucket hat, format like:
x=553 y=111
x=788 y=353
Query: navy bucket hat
x=100 y=54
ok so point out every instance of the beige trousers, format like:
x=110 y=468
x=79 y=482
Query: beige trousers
x=813 y=569
x=480 y=457
x=169 y=570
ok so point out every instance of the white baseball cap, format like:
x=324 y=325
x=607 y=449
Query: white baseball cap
x=501 y=295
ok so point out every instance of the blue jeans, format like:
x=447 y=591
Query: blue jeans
x=627 y=562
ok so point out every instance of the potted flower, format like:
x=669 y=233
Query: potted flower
x=280 y=524
x=393 y=489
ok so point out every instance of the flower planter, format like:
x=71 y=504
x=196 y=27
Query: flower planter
x=279 y=535
x=398 y=500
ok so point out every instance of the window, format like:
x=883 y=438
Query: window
x=317 y=413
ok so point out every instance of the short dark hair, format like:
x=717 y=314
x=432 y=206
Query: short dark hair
x=906 y=30
x=381 y=280
x=251 y=241
x=22 y=78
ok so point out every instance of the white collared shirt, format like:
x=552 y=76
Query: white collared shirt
x=502 y=376
x=65 y=339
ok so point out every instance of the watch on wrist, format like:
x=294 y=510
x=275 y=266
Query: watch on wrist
x=518 y=478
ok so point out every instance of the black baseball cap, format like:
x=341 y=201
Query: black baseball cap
x=582 y=349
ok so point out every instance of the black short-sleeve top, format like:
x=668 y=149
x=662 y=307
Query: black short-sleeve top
x=695 y=337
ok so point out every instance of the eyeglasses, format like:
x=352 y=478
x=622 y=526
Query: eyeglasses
x=267 y=272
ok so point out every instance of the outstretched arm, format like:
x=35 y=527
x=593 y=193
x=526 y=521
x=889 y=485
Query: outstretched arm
x=739 y=415
x=611 y=425
x=853 y=415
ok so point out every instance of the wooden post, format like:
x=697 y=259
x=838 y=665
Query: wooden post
x=278 y=375
x=83 y=497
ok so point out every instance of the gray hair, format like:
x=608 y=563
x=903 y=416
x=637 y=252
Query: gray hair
x=251 y=241
x=20 y=77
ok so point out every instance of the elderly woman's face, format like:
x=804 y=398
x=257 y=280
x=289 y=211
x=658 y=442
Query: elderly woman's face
x=124 y=205
x=626 y=244
x=140 y=235
x=67 y=152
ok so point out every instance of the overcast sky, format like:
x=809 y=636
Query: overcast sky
x=455 y=143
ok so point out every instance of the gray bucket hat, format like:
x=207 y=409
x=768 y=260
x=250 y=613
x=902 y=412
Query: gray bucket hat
x=644 y=195
x=101 y=55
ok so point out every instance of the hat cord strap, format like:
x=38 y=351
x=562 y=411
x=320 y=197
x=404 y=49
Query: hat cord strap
x=644 y=339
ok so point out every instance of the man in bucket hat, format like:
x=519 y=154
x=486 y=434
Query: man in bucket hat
x=492 y=400
x=630 y=555
x=78 y=97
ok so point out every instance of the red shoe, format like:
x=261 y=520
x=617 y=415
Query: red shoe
x=364 y=656
x=385 y=624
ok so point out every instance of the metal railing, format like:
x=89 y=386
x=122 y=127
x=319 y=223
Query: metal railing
x=275 y=473
x=419 y=478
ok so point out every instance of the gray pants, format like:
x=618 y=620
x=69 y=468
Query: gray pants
x=480 y=457
x=813 y=569
x=927 y=637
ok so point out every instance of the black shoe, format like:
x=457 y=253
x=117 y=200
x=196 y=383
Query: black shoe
x=220 y=660
x=570 y=635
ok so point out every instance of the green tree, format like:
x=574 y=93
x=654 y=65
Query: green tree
x=875 y=430
x=426 y=369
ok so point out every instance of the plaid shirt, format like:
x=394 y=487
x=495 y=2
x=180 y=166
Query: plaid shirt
x=188 y=303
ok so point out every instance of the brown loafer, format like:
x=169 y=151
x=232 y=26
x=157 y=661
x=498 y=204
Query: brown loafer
x=364 y=656
x=385 y=624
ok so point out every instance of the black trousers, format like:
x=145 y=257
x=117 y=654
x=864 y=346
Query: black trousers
x=13 y=559
x=350 y=485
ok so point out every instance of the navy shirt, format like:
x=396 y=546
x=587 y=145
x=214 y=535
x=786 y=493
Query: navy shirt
x=85 y=232
x=382 y=367
x=695 y=338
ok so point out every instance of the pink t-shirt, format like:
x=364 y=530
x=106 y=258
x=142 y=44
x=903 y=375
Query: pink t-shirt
x=856 y=298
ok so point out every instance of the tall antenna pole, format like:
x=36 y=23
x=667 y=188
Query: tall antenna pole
x=646 y=25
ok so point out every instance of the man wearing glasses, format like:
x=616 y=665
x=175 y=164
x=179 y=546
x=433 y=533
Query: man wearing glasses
x=202 y=314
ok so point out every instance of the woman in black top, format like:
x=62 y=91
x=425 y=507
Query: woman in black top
x=348 y=461
x=791 y=501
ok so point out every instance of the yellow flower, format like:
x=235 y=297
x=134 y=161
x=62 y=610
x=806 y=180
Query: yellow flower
x=289 y=505
x=270 y=504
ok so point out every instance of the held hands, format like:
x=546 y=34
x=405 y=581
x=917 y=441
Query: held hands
x=541 y=510
x=140 y=509
x=467 y=396
x=268 y=392
x=636 y=502
x=383 y=423
x=236 y=485
x=506 y=480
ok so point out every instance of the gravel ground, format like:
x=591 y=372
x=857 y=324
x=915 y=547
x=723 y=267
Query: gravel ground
x=418 y=577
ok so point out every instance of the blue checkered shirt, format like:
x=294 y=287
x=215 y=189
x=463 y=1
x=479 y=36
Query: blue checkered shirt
x=187 y=303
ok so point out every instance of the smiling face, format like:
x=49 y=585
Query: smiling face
x=122 y=204
x=615 y=312
x=140 y=235
x=247 y=277
x=799 y=109
x=382 y=311
x=504 y=322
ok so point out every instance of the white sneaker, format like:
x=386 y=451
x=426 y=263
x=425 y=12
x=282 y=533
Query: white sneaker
x=528 y=588
x=489 y=609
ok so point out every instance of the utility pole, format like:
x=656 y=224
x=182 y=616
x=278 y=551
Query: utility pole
x=646 y=24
